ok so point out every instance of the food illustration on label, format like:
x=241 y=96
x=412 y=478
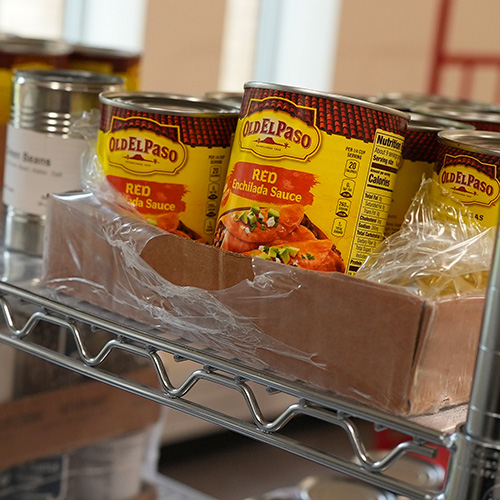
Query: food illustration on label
x=170 y=165
x=309 y=179
x=171 y=223
x=283 y=234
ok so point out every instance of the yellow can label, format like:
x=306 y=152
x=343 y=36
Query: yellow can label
x=408 y=182
x=474 y=182
x=5 y=95
x=165 y=170
x=299 y=194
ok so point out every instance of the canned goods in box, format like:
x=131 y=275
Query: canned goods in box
x=167 y=154
x=310 y=177
x=468 y=165
x=42 y=154
x=108 y=61
x=419 y=157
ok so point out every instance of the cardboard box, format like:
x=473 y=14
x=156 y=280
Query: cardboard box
x=62 y=420
x=378 y=344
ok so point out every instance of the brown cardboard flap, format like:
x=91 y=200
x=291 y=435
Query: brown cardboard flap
x=187 y=262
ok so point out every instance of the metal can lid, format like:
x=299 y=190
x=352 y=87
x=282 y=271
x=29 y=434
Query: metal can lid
x=102 y=52
x=416 y=99
x=232 y=98
x=478 y=141
x=169 y=104
x=459 y=113
x=67 y=79
x=326 y=95
x=426 y=123
x=19 y=45
x=334 y=488
x=286 y=493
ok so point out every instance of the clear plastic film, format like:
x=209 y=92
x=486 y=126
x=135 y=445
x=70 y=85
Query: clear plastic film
x=364 y=338
x=438 y=251
x=203 y=317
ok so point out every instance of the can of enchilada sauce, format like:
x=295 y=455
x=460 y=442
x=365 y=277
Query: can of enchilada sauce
x=310 y=177
x=167 y=155
x=468 y=166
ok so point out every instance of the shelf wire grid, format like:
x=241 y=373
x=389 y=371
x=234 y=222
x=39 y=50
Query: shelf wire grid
x=317 y=405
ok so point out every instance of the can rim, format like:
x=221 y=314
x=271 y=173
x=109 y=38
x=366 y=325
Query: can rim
x=426 y=123
x=168 y=104
x=433 y=99
x=58 y=79
x=460 y=113
x=327 y=95
x=470 y=139
x=12 y=44
x=307 y=485
x=91 y=51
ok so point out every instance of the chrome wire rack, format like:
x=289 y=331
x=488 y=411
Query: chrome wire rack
x=77 y=320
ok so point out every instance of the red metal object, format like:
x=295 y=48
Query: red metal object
x=468 y=63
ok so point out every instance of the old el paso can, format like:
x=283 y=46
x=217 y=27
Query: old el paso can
x=310 y=177
x=419 y=157
x=167 y=155
x=468 y=165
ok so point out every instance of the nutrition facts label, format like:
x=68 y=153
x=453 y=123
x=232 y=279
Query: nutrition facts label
x=380 y=181
x=215 y=185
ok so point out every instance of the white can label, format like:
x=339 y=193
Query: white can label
x=37 y=164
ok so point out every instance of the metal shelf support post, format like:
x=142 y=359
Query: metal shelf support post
x=474 y=469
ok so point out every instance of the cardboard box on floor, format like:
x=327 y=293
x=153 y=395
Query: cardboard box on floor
x=65 y=419
x=377 y=344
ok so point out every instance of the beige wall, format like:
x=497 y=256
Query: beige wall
x=384 y=45
x=387 y=45
x=183 y=41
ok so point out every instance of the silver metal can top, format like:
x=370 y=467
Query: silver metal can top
x=414 y=99
x=18 y=45
x=102 y=52
x=50 y=101
x=231 y=98
x=477 y=141
x=426 y=123
x=168 y=104
x=67 y=79
x=335 y=488
x=459 y=113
